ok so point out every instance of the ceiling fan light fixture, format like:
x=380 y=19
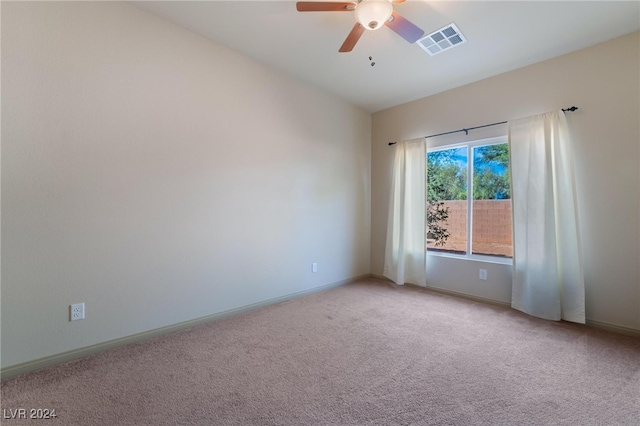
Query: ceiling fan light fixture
x=372 y=14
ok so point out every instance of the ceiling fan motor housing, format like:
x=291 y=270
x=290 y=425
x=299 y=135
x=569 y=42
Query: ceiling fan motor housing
x=372 y=14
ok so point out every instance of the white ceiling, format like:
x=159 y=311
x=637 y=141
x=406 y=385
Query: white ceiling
x=502 y=36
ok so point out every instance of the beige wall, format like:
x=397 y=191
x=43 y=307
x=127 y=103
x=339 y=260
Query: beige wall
x=159 y=177
x=603 y=81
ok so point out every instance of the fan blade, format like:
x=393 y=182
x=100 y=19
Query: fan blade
x=404 y=28
x=352 y=38
x=322 y=6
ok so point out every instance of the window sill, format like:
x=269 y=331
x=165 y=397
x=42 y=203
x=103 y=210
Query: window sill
x=474 y=257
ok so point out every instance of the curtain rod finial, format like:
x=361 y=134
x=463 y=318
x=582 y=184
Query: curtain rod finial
x=392 y=143
x=573 y=108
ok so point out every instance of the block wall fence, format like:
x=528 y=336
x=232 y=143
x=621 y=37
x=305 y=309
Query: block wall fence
x=491 y=227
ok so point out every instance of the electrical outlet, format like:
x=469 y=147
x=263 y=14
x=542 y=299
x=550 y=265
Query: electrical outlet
x=483 y=274
x=76 y=312
x=314 y=267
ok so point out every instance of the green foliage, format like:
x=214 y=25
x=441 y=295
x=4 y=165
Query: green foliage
x=495 y=154
x=446 y=179
x=437 y=214
x=487 y=184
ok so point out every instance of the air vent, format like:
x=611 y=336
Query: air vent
x=443 y=39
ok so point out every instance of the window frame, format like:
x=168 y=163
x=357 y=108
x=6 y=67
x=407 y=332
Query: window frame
x=470 y=145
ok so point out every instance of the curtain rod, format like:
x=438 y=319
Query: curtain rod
x=466 y=131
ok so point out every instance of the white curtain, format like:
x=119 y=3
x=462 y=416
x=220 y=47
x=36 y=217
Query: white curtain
x=548 y=279
x=405 y=250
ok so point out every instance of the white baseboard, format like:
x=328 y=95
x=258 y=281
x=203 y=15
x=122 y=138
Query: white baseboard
x=469 y=296
x=590 y=323
x=49 y=361
x=450 y=292
x=613 y=328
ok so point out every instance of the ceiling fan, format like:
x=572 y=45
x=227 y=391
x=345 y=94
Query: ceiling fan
x=370 y=15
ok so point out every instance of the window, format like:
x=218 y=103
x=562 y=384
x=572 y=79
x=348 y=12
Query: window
x=469 y=199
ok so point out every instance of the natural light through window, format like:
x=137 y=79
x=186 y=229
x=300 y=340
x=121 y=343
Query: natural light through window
x=469 y=199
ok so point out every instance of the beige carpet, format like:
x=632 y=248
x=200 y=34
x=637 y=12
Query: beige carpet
x=361 y=354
